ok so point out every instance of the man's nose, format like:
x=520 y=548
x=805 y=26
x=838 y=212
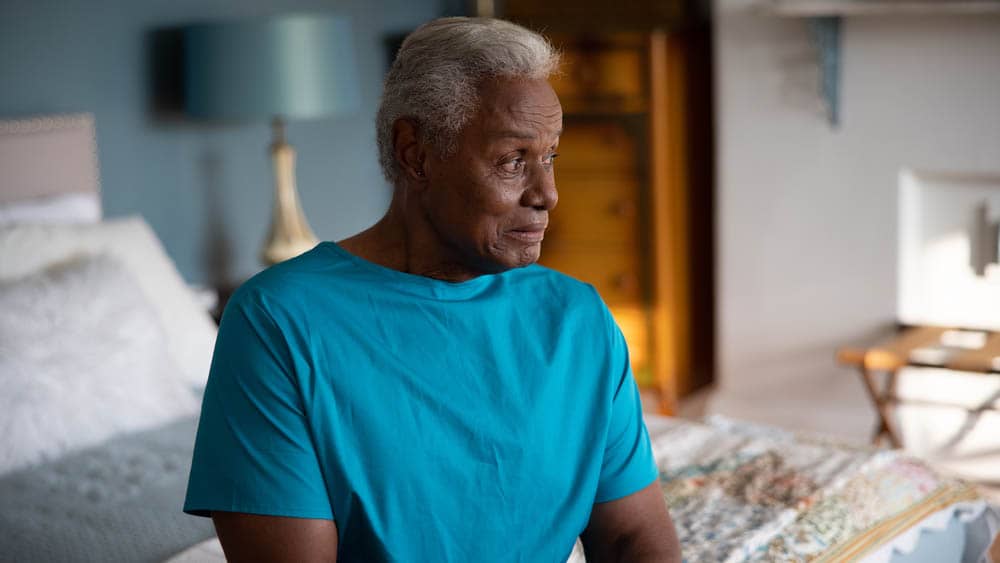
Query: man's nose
x=541 y=193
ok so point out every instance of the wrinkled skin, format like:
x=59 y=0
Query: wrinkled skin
x=484 y=207
x=490 y=201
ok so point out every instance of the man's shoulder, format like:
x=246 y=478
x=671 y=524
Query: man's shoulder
x=576 y=302
x=287 y=283
x=559 y=289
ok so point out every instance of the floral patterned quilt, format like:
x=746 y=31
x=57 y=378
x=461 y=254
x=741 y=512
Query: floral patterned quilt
x=742 y=492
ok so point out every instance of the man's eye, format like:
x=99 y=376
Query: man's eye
x=512 y=166
x=548 y=160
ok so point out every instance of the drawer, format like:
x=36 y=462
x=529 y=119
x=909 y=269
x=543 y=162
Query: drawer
x=633 y=320
x=620 y=287
x=596 y=210
x=613 y=269
x=606 y=146
x=600 y=75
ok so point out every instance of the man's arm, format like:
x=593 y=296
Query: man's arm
x=636 y=528
x=275 y=539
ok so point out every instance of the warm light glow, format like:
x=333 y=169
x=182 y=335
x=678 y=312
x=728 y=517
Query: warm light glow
x=937 y=282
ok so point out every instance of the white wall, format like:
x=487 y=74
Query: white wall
x=205 y=188
x=807 y=214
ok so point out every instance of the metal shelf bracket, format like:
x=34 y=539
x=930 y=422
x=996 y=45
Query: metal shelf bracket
x=826 y=34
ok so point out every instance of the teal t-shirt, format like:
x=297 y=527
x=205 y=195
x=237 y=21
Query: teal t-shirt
x=433 y=421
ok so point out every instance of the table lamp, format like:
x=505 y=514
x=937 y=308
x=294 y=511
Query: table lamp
x=289 y=67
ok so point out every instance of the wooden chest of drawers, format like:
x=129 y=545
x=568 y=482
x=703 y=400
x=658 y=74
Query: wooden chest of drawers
x=622 y=219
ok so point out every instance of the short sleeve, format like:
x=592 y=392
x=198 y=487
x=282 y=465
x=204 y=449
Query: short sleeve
x=628 y=465
x=253 y=452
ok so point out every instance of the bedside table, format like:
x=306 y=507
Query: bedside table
x=223 y=293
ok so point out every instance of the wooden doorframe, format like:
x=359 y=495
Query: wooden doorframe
x=671 y=311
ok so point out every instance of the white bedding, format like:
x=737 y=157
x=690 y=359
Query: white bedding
x=83 y=357
x=101 y=343
x=117 y=501
x=980 y=519
x=67 y=208
x=208 y=551
x=28 y=248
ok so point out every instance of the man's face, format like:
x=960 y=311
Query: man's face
x=489 y=201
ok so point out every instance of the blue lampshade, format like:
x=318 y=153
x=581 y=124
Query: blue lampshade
x=293 y=67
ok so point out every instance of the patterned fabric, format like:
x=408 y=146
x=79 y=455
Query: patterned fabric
x=742 y=492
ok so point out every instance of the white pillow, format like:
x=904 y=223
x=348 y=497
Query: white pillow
x=28 y=248
x=64 y=208
x=82 y=358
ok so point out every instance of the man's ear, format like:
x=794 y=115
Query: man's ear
x=410 y=150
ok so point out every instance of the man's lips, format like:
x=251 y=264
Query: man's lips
x=533 y=233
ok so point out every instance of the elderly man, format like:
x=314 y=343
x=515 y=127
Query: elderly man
x=422 y=391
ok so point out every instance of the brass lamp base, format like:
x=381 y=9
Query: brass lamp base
x=290 y=234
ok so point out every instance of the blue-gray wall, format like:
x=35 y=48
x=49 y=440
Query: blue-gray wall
x=205 y=189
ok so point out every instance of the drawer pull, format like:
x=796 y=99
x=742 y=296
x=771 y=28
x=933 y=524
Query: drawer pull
x=624 y=208
x=587 y=76
x=625 y=282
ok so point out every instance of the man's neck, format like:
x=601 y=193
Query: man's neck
x=403 y=240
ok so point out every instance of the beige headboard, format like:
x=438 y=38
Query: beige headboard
x=46 y=156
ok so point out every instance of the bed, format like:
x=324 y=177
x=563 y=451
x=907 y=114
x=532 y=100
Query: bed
x=104 y=351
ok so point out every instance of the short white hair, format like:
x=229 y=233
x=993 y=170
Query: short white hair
x=436 y=76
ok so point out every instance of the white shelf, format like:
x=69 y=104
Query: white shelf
x=821 y=8
x=826 y=16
